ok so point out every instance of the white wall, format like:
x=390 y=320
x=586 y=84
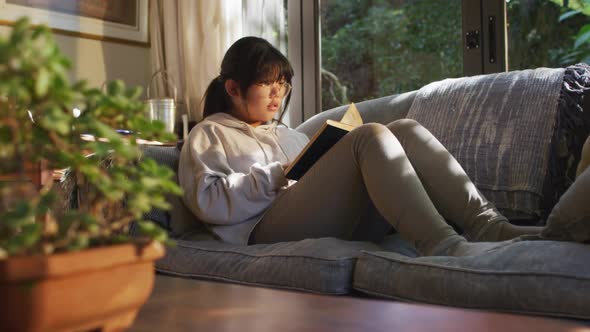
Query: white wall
x=97 y=61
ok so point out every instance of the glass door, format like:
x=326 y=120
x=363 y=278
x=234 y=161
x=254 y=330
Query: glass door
x=375 y=48
x=350 y=51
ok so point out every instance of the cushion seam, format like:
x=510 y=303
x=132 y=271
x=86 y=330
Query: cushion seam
x=267 y=255
x=331 y=263
x=478 y=271
x=226 y=279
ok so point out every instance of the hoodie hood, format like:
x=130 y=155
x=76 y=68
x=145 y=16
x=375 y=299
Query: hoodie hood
x=229 y=120
x=277 y=143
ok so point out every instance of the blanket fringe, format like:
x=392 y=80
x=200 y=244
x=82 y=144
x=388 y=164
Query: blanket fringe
x=572 y=126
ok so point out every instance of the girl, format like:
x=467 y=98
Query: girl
x=232 y=171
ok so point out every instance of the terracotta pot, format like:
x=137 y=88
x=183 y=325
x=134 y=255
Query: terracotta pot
x=96 y=289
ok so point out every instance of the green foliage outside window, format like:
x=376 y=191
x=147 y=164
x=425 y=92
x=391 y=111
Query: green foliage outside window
x=382 y=47
x=539 y=36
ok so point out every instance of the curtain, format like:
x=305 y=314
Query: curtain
x=189 y=38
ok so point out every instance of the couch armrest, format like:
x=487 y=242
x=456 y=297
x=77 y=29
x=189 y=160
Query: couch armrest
x=381 y=110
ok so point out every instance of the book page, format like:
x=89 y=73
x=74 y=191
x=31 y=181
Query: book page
x=352 y=116
x=328 y=134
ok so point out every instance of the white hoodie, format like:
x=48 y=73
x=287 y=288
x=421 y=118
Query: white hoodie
x=231 y=172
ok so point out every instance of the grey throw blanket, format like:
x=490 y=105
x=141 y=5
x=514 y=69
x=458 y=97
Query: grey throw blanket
x=499 y=127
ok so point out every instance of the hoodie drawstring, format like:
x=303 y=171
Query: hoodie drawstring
x=266 y=159
x=228 y=120
x=276 y=138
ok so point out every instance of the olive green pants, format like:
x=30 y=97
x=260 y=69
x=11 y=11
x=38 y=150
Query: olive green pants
x=412 y=181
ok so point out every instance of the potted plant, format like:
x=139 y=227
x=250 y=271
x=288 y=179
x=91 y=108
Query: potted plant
x=73 y=268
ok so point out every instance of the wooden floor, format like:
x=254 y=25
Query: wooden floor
x=179 y=304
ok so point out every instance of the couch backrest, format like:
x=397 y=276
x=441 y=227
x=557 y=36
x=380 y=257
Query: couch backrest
x=560 y=149
x=381 y=110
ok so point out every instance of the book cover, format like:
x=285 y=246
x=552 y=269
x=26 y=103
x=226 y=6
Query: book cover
x=328 y=135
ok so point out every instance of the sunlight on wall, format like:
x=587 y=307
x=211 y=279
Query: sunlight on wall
x=97 y=61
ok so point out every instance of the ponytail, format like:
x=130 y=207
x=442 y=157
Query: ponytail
x=216 y=99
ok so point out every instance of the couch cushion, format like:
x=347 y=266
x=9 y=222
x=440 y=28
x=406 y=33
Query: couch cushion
x=539 y=277
x=314 y=265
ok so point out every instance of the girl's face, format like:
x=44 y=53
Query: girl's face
x=261 y=102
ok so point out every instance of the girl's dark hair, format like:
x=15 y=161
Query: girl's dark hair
x=249 y=60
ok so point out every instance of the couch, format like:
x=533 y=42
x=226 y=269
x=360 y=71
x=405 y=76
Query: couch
x=539 y=276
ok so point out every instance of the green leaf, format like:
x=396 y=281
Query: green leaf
x=45 y=203
x=120 y=238
x=89 y=223
x=57 y=120
x=104 y=131
x=42 y=82
x=31 y=233
x=150 y=183
x=113 y=194
x=101 y=149
x=87 y=220
x=67 y=220
x=78 y=243
x=115 y=87
x=92 y=172
x=568 y=15
x=159 y=202
x=22 y=214
x=29 y=236
x=140 y=202
x=582 y=39
x=134 y=93
x=151 y=230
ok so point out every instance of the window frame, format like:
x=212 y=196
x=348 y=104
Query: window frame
x=304 y=55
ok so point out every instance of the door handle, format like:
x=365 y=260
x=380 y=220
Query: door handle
x=492 y=39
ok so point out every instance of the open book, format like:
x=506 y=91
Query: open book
x=328 y=134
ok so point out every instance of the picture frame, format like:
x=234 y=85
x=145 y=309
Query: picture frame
x=123 y=21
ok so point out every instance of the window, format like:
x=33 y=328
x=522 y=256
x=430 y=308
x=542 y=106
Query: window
x=350 y=51
x=375 y=48
x=266 y=19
